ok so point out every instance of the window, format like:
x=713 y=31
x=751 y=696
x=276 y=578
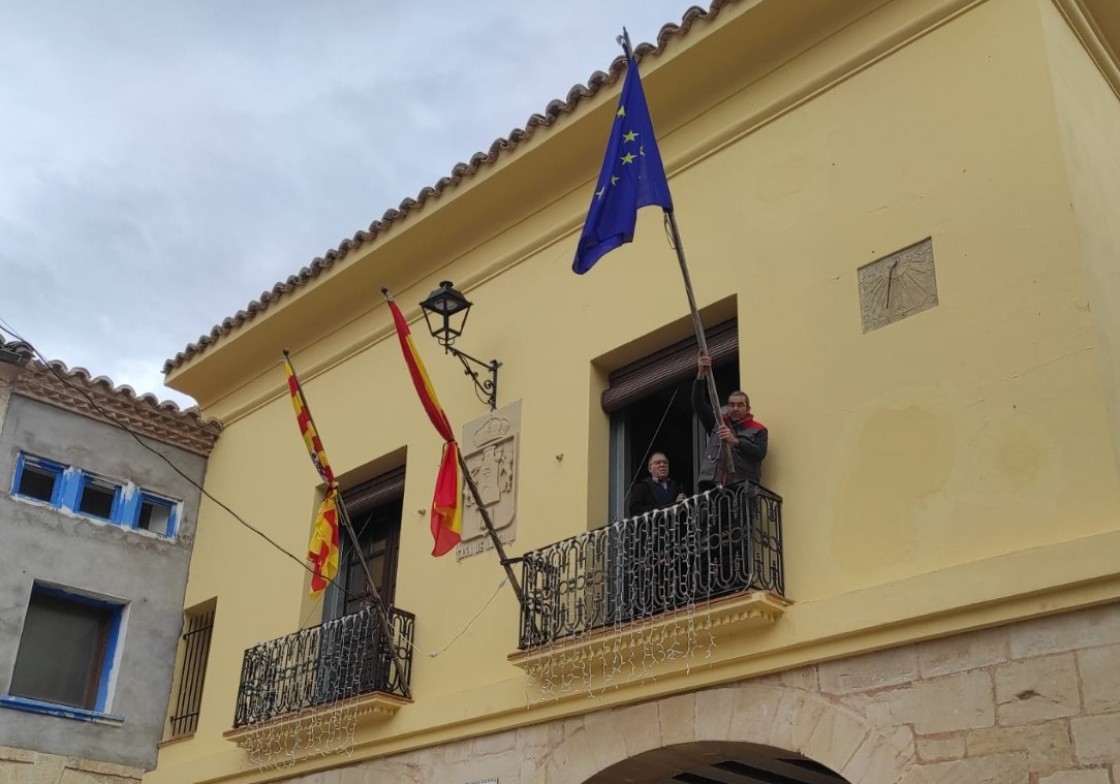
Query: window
x=155 y=515
x=375 y=512
x=649 y=401
x=67 y=651
x=98 y=498
x=37 y=479
x=120 y=503
x=195 y=651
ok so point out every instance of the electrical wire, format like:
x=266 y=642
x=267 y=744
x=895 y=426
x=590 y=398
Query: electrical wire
x=470 y=623
x=140 y=440
x=6 y=327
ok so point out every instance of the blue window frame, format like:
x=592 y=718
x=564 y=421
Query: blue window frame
x=157 y=515
x=144 y=511
x=38 y=479
x=67 y=654
x=98 y=497
x=66 y=487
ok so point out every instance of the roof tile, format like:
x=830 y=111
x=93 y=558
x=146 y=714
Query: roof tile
x=97 y=397
x=459 y=172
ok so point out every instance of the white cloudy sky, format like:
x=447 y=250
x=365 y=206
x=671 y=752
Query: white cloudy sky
x=162 y=163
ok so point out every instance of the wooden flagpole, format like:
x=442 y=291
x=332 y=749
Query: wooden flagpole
x=498 y=546
x=344 y=517
x=489 y=523
x=697 y=324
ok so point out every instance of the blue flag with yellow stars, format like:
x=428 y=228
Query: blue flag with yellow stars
x=632 y=177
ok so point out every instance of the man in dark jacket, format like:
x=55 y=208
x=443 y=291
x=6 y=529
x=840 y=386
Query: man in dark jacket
x=657 y=490
x=736 y=428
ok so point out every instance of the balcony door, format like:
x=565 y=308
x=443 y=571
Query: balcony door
x=352 y=656
x=649 y=402
x=374 y=508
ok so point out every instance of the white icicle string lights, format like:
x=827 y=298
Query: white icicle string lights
x=634 y=635
x=326 y=723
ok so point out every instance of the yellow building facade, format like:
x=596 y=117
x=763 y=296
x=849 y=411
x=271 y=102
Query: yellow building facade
x=899 y=217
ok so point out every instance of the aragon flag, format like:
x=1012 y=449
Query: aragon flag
x=322 y=551
x=447 y=503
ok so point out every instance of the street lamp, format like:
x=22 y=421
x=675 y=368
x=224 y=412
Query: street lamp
x=446 y=311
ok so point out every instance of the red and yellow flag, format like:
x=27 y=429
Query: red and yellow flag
x=447 y=502
x=322 y=551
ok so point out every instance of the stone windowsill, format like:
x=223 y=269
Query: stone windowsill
x=61 y=711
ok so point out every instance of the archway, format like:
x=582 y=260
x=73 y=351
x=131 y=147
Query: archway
x=768 y=728
x=718 y=763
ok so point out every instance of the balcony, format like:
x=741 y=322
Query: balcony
x=339 y=662
x=716 y=556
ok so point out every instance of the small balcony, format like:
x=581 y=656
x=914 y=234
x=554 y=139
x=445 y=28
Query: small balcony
x=337 y=662
x=719 y=551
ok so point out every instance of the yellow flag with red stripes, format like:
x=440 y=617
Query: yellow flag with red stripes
x=322 y=551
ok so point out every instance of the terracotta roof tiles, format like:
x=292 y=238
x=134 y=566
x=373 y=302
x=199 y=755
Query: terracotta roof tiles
x=459 y=172
x=72 y=389
x=22 y=352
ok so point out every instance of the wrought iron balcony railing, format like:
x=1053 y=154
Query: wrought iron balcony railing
x=323 y=665
x=718 y=543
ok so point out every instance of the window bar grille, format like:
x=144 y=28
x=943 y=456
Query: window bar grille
x=196 y=650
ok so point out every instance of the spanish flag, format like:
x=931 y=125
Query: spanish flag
x=447 y=503
x=322 y=552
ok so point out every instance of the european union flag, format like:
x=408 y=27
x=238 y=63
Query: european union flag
x=632 y=177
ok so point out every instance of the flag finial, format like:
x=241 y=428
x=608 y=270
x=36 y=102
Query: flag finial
x=624 y=42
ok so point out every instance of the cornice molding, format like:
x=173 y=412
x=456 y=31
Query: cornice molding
x=1085 y=28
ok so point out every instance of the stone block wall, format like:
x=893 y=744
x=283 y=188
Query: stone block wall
x=19 y=766
x=1039 y=701
x=1036 y=702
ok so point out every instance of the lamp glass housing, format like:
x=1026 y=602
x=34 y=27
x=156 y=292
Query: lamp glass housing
x=446 y=311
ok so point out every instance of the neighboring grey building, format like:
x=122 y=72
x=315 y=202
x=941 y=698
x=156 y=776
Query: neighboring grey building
x=96 y=533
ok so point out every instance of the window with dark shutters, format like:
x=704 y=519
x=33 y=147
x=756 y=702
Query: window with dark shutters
x=649 y=402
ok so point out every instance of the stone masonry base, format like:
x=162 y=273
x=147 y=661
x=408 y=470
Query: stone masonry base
x=1036 y=702
x=18 y=766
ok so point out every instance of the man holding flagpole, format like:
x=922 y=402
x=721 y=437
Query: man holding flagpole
x=746 y=437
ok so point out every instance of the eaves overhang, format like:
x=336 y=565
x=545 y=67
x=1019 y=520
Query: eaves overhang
x=694 y=66
x=554 y=156
x=489 y=193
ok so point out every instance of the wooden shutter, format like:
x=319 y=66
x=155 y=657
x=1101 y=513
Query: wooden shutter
x=375 y=492
x=668 y=366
